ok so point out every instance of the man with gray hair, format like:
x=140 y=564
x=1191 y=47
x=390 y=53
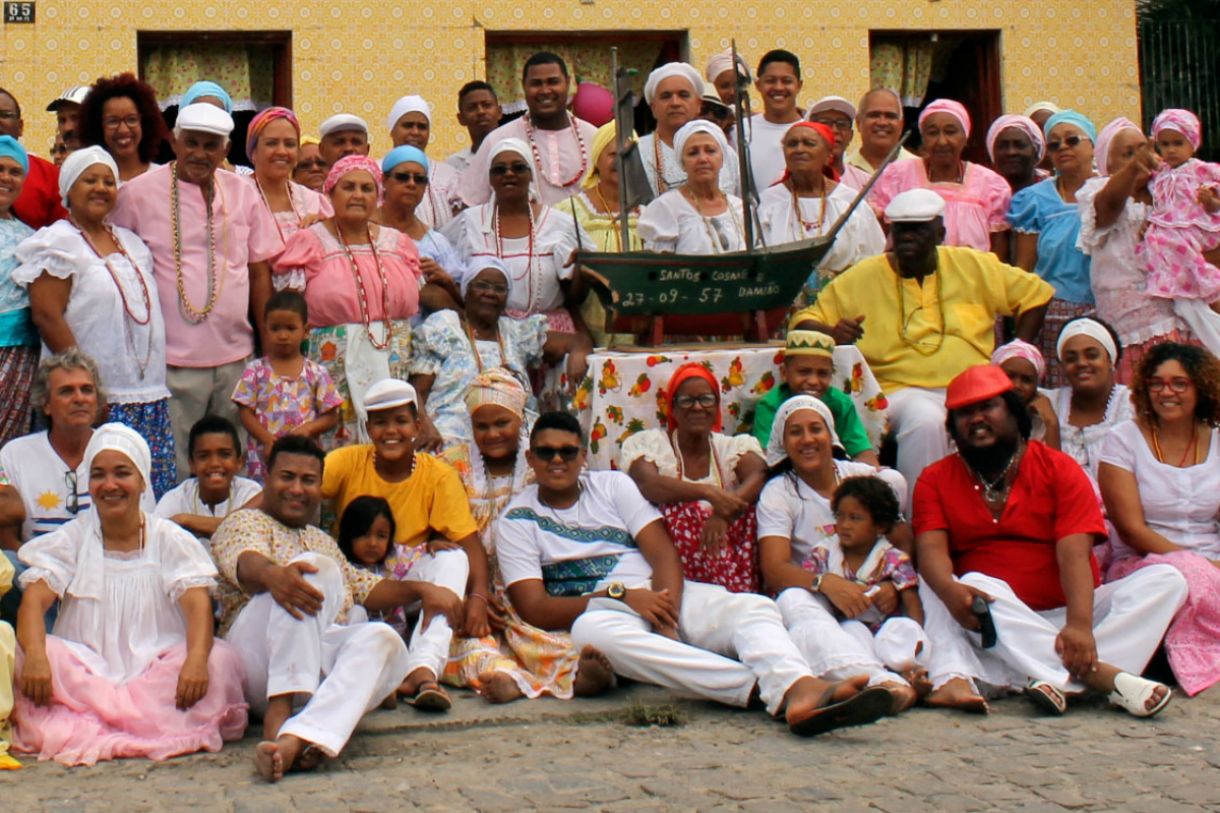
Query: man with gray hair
x=879 y=122
x=210 y=237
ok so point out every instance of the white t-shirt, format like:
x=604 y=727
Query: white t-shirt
x=767 y=150
x=582 y=548
x=46 y=485
x=184 y=499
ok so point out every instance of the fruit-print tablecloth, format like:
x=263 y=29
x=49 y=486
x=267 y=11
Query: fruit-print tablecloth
x=624 y=391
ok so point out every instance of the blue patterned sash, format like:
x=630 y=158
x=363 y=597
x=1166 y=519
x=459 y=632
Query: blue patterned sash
x=576 y=577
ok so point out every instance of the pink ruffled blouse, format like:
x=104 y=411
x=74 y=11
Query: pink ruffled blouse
x=974 y=208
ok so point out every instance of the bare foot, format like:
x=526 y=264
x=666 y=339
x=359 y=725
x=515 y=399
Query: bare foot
x=904 y=696
x=279 y=709
x=594 y=674
x=957 y=694
x=391 y=702
x=807 y=695
x=499 y=687
x=918 y=678
x=268 y=761
x=410 y=685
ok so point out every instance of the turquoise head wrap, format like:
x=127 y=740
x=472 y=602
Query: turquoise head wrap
x=205 y=88
x=1071 y=117
x=401 y=154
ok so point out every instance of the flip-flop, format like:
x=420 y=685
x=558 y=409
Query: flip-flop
x=868 y=706
x=1131 y=694
x=431 y=697
x=309 y=759
x=1046 y=697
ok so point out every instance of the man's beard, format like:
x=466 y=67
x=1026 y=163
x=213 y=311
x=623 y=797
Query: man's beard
x=992 y=459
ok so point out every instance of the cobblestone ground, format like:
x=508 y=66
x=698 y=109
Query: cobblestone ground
x=547 y=755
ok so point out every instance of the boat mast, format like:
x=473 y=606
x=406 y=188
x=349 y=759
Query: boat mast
x=741 y=105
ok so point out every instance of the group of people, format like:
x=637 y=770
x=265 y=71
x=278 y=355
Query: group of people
x=416 y=511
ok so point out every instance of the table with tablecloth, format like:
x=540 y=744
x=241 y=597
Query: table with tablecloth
x=624 y=392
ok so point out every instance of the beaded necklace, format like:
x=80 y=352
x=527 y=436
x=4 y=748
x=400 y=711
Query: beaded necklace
x=718 y=239
x=551 y=177
x=662 y=183
x=1194 y=444
x=114 y=277
x=713 y=461
x=474 y=345
x=529 y=265
x=613 y=216
x=362 y=297
x=291 y=207
x=191 y=313
x=805 y=226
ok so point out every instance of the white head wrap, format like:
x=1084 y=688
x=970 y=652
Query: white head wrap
x=77 y=162
x=775 y=444
x=1049 y=107
x=722 y=62
x=204 y=118
x=521 y=148
x=669 y=70
x=120 y=438
x=478 y=266
x=408 y=104
x=1087 y=327
x=343 y=121
x=694 y=127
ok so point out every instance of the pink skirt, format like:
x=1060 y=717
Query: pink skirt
x=90 y=718
x=1192 y=641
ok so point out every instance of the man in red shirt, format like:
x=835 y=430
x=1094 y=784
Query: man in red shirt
x=38 y=204
x=1013 y=522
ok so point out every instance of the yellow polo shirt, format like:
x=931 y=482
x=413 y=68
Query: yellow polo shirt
x=855 y=159
x=907 y=341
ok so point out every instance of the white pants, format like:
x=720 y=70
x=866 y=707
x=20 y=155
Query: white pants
x=899 y=644
x=830 y=650
x=730 y=643
x=1129 y=619
x=430 y=647
x=917 y=418
x=346 y=670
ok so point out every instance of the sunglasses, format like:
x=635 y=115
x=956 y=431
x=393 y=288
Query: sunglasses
x=518 y=168
x=716 y=112
x=548 y=453
x=1178 y=385
x=1071 y=142
x=707 y=400
x=316 y=163
x=403 y=177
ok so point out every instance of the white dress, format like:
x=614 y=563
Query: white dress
x=860 y=237
x=1181 y=504
x=674 y=175
x=122 y=607
x=655 y=446
x=671 y=224
x=1084 y=442
x=130 y=355
x=442 y=194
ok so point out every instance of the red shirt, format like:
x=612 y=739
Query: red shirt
x=1051 y=498
x=39 y=204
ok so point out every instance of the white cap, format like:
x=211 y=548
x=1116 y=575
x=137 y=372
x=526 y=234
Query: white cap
x=343 y=121
x=915 y=206
x=387 y=394
x=73 y=95
x=836 y=103
x=205 y=118
x=405 y=105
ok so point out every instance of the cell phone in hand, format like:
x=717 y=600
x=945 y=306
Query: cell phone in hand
x=982 y=611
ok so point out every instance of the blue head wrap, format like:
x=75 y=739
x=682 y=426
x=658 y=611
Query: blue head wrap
x=205 y=88
x=402 y=154
x=1071 y=117
x=11 y=148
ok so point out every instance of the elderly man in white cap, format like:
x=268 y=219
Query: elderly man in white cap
x=343 y=134
x=559 y=141
x=922 y=313
x=674 y=91
x=880 y=122
x=211 y=238
x=311 y=670
x=410 y=122
x=432 y=526
x=839 y=114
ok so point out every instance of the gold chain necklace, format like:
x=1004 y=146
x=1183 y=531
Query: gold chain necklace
x=902 y=316
x=192 y=313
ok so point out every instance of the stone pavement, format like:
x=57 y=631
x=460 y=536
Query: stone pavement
x=551 y=755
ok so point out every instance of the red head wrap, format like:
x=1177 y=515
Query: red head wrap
x=684 y=373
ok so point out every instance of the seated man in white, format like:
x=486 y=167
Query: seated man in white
x=586 y=551
x=1004 y=532
x=285 y=600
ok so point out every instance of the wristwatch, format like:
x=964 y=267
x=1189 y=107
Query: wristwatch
x=616 y=591
x=816 y=587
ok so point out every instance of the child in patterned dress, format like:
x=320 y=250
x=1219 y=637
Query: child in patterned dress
x=283 y=392
x=865 y=510
x=1184 y=221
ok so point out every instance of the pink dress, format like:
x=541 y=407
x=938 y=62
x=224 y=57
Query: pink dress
x=974 y=209
x=305 y=203
x=1179 y=231
x=118 y=647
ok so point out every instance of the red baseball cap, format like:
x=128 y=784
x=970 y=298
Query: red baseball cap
x=976 y=384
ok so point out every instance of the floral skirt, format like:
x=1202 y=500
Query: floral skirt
x=151 y=420
x=328 y=346
x=735 y=569
x=17 y=368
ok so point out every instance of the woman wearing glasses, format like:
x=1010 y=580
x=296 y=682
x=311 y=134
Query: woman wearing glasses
x=697 y=217
x=121 y=114
x=311 y=167
x=1046 y=218
x=704 y=482
x=452 y=347
x=1160 y=479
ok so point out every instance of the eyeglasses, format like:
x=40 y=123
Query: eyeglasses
x=548 y=453
x=316 y=163
x=73 y=500
x=841 y=126
x=113 y=122
x=483 y=287
x=1178 y=385
x=519 y=168
x=1071 y=142
x=707 y=400
x=403 y=177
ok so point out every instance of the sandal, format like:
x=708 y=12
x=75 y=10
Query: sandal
x=868 y=706
x=1047 y=697
x=1131 y=694
x=431 y=697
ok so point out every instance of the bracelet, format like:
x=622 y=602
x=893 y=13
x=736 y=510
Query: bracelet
x=478 y=595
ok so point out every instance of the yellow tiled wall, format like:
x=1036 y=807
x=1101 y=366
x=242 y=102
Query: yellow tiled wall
x=360 y=55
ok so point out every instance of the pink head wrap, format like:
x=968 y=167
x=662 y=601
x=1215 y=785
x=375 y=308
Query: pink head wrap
x=352 y=163
x=1181 y=121
x=1106 y=137
x=955 y=109
x=1018 y=349
x=1023 y=123
x=260 y=122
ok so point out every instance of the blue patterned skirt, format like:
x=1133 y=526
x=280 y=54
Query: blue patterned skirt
x=151 y=420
